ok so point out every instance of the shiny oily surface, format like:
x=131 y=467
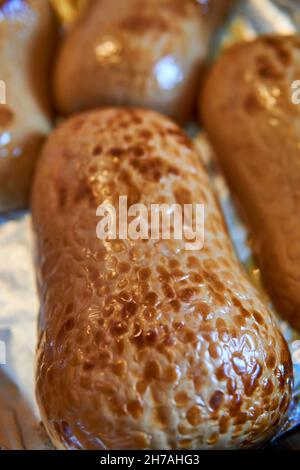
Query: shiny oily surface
x=27 y=30
x=122 y=53
x=143 y=344
x=255 y=130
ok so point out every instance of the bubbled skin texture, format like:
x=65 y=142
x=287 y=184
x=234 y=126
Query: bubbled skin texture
x=255 y=130
x=128 y=53
x=27 y=33
x=143 y=344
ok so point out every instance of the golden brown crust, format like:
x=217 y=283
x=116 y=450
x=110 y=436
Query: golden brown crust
x=143 y=344
x=248 y=113
x=27 y=36
x=120 y=53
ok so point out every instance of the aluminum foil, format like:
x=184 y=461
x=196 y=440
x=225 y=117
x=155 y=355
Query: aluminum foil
x=20 y=426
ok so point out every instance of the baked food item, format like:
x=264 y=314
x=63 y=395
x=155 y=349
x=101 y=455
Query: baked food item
x=253 y=125
x=27 y=34
x=144 y=344
x=119 y=53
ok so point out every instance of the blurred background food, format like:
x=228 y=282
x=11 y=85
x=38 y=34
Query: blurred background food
x=124 y=53
x=27 y=31
x=254 y=128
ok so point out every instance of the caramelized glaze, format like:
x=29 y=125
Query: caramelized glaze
x=143 y=344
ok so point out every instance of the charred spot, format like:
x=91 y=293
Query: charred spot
x=224 y=424
x=69 y=325
x=284 y=55
x=216 y=400
x=156 y=168
x=124 y=124
x=134 y=116
x=138 y=338
x=271 y=360
x=266 y=69
x=129 y=309
x=145 y=134
x=194 y=415
x=134 y=194
x=127 y=138
x=186 y=294
x=152 y=370
x=84 y=191
x=271 y=41
x=175 y=304
x=180 y=137
x=213 y=350
x=116 y=152
x=168 y=291
x=69 y=308
x=135 y=408
x=187 y=335
x=137 y=150
x=258 y=318
x=118 y=328
x=231 y=386
x=204 y=308
x=140 y=23
x=97 y=150
x=192 y=262
x=151 y=336
x=182 y=196
x=181 y=399
x=282 y=52
x=251 y=380
x=144 y=274
x=235 y=405
x=151 y=298
x=163 y=273
x=123 y=267
x=240 y=320
x=240 y=418
x=88 y=365
x=221 y=373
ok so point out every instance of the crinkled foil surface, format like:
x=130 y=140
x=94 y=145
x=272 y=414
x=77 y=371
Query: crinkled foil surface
x=20 y=426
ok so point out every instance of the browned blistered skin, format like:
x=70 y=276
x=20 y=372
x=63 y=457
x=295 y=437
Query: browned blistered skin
x=143 y=344
x=255 y=129
x=148 y=53
x=26 y=36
